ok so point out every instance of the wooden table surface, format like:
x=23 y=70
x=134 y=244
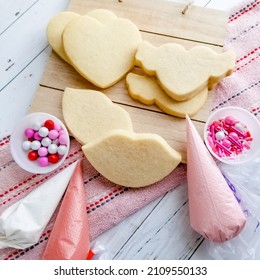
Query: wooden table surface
x=160 y=230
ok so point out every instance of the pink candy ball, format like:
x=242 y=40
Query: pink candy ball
x=42 y=152
x=226 y=143
x=61 y=132
x=29 y=133
x=53 y=134
x=43 y=161
x=37 y=136
x=230 y=120
x=57 y=126
x=233 y=135
x=63 y=139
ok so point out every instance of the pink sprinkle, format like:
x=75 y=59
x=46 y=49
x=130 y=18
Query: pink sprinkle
x=235 y=142
x=223 y=148
x=246 y=145
x=212 y=130
x=239 y=132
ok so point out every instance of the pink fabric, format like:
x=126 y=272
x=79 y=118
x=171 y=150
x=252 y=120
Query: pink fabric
x=214 y=211
x=242 y=88
x=69 y=239
x=108 y=204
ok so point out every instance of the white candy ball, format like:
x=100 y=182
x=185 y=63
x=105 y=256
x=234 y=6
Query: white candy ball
x=220 y=135
x=46 y=141
x=56 y=141
x=239 y=126
x=35 y=145
x=52 y=149
x=36 y=125
x=62 y=149
x=26 y=145
x=43 y=131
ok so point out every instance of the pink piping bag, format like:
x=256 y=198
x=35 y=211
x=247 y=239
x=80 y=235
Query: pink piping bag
x=214 y=210
x=69 y=239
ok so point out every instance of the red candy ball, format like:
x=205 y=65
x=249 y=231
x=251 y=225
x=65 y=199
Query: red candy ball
x=49 y=124
x=53 y=158
x=33 y=155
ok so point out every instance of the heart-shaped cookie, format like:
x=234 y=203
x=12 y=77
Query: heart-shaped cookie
x=57 y=24
x=102 y=53
x=55 y=29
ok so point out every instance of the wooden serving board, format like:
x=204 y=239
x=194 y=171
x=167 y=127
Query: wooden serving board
x=160 y=21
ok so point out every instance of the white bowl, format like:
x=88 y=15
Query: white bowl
x=18 y=137
x=249 y=120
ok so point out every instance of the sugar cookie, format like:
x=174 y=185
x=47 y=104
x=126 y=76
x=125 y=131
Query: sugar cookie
x=181 y=73
x=102 y=53
x=146 y=90
x=55 y=29
x=89 y=114
x=132 y=159
x=102 y=15
x=57 y=24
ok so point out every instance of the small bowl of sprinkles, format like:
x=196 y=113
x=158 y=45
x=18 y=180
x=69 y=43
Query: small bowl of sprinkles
x=232 y=135
x=39 y=143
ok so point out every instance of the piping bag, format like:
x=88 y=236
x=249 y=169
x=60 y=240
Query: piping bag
x=69 y=238
x=22 y=224
x=214 y=210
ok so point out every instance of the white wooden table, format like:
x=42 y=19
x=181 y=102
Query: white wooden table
x=160 y=230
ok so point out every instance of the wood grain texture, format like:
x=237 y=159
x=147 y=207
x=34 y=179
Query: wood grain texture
x=160 y=22
x=164 y=17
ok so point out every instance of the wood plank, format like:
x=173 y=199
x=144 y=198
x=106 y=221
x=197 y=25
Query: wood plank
x=165 y=17
x=172 y=226
x=13 y=10
x=142 y=238
x=14 y=57
x=160 y=21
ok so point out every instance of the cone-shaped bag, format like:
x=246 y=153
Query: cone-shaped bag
x=214 y=211
x=22 y=224
x=69 y=239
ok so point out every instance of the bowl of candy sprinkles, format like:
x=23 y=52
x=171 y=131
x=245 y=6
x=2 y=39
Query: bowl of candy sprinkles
x=39 y=143
x=232 y=135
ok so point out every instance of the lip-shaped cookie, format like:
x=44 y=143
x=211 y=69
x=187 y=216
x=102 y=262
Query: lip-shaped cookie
x=132 y=159
x=183 y=73
x=88 y=114
x=102 y=53
x=146 y=89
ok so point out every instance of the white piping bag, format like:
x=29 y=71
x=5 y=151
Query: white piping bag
x=22 y=224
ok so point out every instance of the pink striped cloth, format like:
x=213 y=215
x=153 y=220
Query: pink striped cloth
x=242 y=88
x=106 y=203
